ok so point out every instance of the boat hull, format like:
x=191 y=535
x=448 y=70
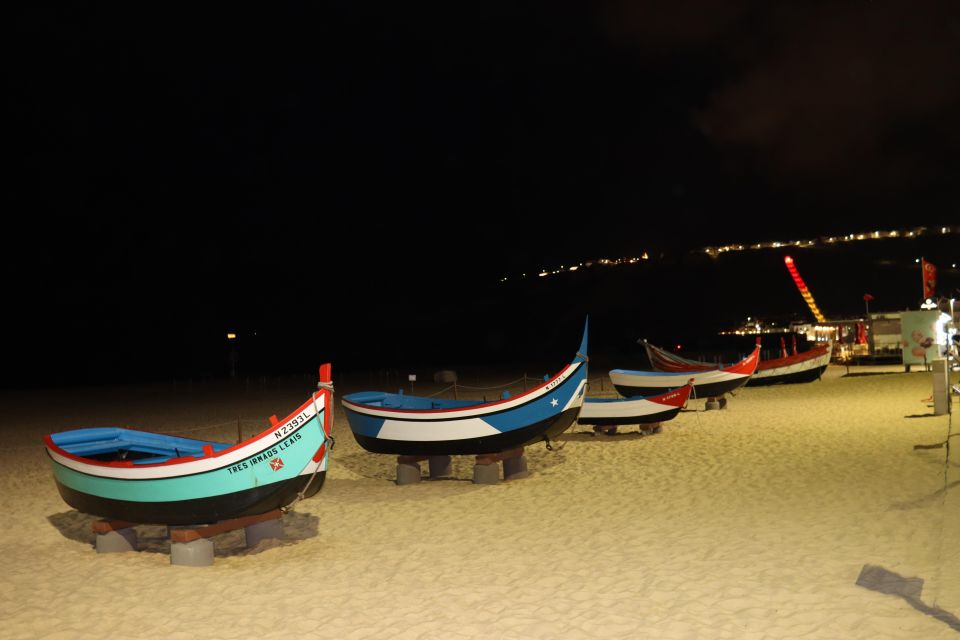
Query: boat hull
x=803 y=375
x=805 y=367
x=195 y=511
x=636 y=418
x=521 y=437
x=639 y=385
x=411 y=425
x=126 y=474
x=604 y=412
x=706 y=384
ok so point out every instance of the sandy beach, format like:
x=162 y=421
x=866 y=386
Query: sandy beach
x=751 y=522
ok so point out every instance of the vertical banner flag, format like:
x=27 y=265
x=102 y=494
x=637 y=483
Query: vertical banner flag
x=929 y=271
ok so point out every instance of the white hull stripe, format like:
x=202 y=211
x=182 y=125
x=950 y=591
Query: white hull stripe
x=455 y=429
x=668 y=381
x=435 y=431
x=794 y=368
x=623 y=409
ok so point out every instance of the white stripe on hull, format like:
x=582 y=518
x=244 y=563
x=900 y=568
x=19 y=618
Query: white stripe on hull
x=449 y=430
x=822 y=361
x=622 y=409
x=660 y=381
x=422 y=431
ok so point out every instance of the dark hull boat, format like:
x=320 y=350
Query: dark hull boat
x=799 y=367
x=639 y=410
x=152 y=478
x=804 y=367
x=409 y=425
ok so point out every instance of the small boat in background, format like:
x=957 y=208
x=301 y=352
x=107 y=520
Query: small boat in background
x=803 y=367
x=709 y=380
x=638 y=410
x=399 y=424
x=798 y=367
x=152 y=478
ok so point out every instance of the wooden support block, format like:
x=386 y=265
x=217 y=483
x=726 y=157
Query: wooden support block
x=606 y=429
x=649 y=428
x=189 y=534
x=106 y=526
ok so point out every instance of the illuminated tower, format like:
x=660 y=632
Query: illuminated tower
x=801 y=285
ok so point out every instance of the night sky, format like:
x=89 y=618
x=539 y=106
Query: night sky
x=351 y=180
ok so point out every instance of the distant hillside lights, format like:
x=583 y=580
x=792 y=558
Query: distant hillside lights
x=589 y=263
x=850 y=237
x=714 y=252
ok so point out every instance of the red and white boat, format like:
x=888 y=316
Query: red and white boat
x=674 y=372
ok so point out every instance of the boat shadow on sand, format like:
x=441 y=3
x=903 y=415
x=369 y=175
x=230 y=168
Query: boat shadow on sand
x=152 y=538
x=590 y=436
x=863 y=374
x=376 y=466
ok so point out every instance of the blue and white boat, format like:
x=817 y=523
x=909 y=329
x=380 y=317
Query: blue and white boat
x=152 y=478
x=411 y=425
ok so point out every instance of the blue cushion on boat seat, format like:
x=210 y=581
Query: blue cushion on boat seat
x=105 y=440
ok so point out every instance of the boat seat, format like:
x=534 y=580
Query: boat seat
x=98 y=441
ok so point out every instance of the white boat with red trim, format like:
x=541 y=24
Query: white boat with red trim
x=638 y=410
x=799 y=367
x=707 y=382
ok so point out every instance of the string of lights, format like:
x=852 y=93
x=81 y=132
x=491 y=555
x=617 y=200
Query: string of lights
x=716 y=252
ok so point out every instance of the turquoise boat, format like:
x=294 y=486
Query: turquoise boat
x=152 y=478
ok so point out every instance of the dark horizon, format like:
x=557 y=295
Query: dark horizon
x=159 y=326
x=369 y=172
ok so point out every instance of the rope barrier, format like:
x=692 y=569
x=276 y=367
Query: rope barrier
x=203 y=428
x=441 y=391
x=500 y=386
